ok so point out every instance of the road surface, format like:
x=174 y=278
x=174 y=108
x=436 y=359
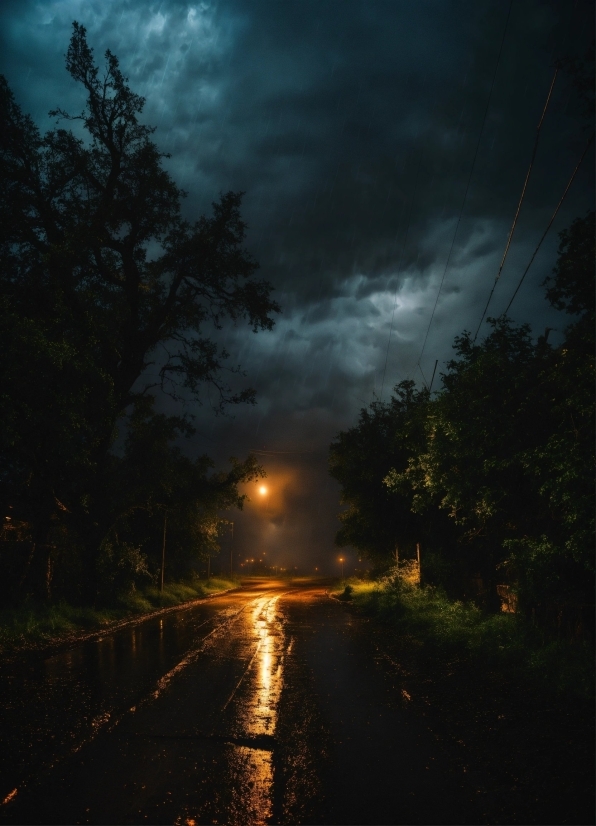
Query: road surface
x=263 y=705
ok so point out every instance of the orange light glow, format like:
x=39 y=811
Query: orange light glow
x=262 y=490
x=10 y=796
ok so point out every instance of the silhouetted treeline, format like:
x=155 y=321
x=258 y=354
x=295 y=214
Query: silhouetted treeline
x=103 y=283
x=493 y=475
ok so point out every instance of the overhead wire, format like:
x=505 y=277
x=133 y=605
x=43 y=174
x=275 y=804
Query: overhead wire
x=468 y=182
x=550 y=223
x=433 y=376
x=520 y=202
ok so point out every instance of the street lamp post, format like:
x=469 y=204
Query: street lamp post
x=231 y=549
x=341 y=559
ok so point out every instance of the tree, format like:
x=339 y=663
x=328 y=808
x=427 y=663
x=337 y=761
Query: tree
x=153 y=480
x=571 y=287
x=106 y=277
x=477 y=428
x=387 y=436
x=555 y=565
x=509 y=451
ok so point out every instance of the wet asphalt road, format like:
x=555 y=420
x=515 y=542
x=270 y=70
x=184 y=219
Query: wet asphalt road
x=264 y=705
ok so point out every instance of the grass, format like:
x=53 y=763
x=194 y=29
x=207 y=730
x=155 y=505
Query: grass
x=443 y=629
x=32 y=624
x=508 y=702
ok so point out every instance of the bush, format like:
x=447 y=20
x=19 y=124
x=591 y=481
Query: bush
x=460 y=630
x=346 y=594
x=120 y=567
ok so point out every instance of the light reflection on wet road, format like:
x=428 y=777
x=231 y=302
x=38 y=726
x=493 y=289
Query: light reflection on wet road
x=258 y=710
x=51 y=705
x=261 y=706
x=56 y=706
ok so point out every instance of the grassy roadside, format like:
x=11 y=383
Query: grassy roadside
x=513 y=708
x=33 y=625
x=443 y=629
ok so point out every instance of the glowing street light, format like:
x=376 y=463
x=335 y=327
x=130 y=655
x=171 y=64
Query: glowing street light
x=341 y=559
x=262 y=490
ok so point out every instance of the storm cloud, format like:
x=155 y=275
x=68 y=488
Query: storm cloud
x=382 y=147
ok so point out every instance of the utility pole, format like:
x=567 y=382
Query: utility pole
x=231 y=550
x=163 y=550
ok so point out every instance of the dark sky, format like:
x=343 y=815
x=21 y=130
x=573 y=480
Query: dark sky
x=353 y=128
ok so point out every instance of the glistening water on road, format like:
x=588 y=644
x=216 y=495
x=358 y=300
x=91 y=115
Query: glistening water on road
x=261 y=706
x=54 y=703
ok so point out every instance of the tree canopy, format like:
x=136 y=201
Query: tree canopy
x=108 y=296
x=505 y=451
x=386 y=436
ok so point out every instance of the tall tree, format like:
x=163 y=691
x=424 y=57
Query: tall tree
x=477 y=427
x=103 y=276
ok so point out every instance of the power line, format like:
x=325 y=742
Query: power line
x=554 y=215
x=433 y=377
x=468 y=182
x=423 y=376
x=521 y=200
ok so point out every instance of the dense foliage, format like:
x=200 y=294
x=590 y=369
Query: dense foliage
x=105 y=291
x=360 y=459
x=505 y=451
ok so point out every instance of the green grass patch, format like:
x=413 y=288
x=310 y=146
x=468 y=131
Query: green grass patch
x=354 y=587
x=444 y=629
x=32 y=624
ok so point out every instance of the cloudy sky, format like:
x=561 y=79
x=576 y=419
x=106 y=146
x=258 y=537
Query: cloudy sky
x=382 y=146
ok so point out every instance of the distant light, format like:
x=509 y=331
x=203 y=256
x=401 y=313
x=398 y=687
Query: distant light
x=262 y=490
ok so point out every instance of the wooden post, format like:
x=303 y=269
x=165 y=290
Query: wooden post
x=396 y=556
x=231 y=549
x=418 y=552
x=163 y=550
